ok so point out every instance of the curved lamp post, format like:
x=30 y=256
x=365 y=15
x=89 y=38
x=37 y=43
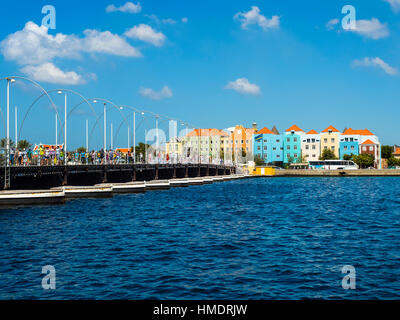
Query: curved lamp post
x=12 y=79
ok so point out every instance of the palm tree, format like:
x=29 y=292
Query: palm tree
x=24 y=145
x=3 y=143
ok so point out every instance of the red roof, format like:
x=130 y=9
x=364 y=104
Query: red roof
x=397 y=151
x=368 y=142
x=265 y=130
x=364 y=132
x=207 y=133
x=294 y=128
x=331 y=128
x=312 y=132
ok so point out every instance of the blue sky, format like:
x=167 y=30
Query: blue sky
x=210 y=63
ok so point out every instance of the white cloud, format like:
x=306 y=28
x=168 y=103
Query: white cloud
x=254 y=17
x=146 y=33
x=48 y=72
x=33 y=45
x=154 y=95
x=106 y=42
x=128 y=7
x=331 y=23
x=395 y=4
x=375 y=62
x=243 y=86
x=373 y=29
x=185 y=20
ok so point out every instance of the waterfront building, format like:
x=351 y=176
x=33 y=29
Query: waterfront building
x=206 y=143
x=396 y=152
x=311 y=146
x=242 y=143
x=349 y=143
x=268 y=145
x=365 y=146
x=174 y=148
x=292 y=144
x=370 y=147
x=330 y=138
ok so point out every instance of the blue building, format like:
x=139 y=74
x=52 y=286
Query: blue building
x=268 y=145
x=292 y=145
x=348 y=145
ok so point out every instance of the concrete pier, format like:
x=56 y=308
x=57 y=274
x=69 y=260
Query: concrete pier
x=179 y=183
x=98 y=191
x=158 y=185
x=106 y=190
x=132 y=187
x=196 y=181
x=30 y=197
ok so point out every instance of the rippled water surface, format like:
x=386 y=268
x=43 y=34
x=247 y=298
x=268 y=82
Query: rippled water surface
x=283 y=238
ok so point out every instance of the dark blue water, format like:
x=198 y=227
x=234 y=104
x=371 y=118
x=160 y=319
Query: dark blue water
x=284 y=238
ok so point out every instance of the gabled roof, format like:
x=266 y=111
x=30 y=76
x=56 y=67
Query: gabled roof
x=275 y=130
x=265 y=130
x=364 y=132
x=331 y=128
x=397 y=150
x=312 y=132
x=368 y=142
x=294 y=128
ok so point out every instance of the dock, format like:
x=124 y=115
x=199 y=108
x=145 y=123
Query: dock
x=105 y=190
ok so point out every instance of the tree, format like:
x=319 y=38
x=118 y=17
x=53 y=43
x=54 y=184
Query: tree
x=393 y=162
x=327 y=154
x=81 y=150
x=3 y=143
x=259 y=161
x=141 y=149
x=364 y=160
x=24 y=145
x=348 y=157
x=387 y=152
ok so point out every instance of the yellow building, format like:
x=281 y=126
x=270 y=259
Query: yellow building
x=241 y=143
x=174 y=147
x=208 y=143
x=330 y=139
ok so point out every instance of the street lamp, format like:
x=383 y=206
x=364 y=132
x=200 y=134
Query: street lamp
x=65 y=124
x=105 y=124
x=9 y=80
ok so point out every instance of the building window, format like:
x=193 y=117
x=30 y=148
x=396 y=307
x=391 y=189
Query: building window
x=345 y=147
x=288 y=139
x=333 y=148
x=371 y=148
x=313 y=146
x=307 y=147
x=259 y=148
x=295 y=155
x=325 y=148
x=288 y=147
x=333 y=140
x=352 y=148
x=295 y=147
x=265 y=148
x=364 y=148
x=326 y=140
x=295 y=139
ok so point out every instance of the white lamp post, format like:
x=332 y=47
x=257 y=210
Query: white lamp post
x=16 y=126
x=65 y=122
x=9 y=80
